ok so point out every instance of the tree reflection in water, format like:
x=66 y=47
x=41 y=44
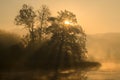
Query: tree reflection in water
x=79 y=75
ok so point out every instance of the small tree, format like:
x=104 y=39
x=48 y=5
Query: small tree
x=26 y=17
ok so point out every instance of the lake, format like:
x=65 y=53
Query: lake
x=103 y=75
x=37 y=75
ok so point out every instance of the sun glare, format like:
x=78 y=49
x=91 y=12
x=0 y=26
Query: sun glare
x=67 y=22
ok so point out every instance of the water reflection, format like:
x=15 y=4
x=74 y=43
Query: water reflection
x=78 y=75
x=104 y=75
x=38 y=75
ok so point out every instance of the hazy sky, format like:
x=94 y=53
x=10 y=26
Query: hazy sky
x=95 y=16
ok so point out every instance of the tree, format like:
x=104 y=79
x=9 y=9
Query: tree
x=66 y=47
x=26 y=17
x=67 y=41
x=43 y=15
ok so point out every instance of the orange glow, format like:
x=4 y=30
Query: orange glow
x=67 y=22
x=108 y=66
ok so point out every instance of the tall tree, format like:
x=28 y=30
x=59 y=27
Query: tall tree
x=26 y=17
x=43 y=15
x=67 y=41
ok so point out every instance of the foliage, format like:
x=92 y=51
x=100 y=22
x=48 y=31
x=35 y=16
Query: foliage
x=34 y=22
x=66 y=43
x=70 y=38
x=43 y=15
x=56 y=44
x=26 y=17
x=61 y=45
x=66 y=47
x=66 y=15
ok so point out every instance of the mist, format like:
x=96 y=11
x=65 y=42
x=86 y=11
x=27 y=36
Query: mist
x=8 y=39
x=105 y=48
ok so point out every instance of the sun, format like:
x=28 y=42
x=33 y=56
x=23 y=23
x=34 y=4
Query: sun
x=67 y=22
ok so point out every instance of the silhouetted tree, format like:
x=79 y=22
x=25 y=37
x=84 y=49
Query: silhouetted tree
x=67 y=41
x=43 y=15
x=66 y=46
x=26 y=17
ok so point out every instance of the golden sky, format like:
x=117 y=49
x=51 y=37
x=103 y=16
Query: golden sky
x=95 y=16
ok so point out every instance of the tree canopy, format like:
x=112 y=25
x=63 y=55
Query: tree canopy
x=67 y=41
x=62 y=40
x=26 y=17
